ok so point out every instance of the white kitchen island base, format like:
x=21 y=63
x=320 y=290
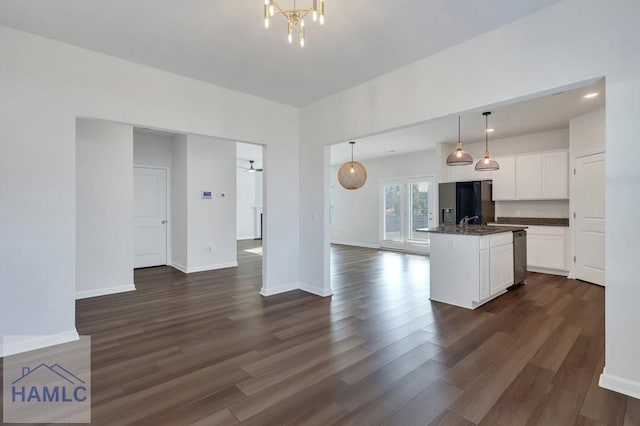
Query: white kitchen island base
x=470 y=269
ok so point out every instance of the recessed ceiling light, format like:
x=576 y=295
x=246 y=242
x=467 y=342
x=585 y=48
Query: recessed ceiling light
x=491 y=130
x=392 y=150
x=590 y=95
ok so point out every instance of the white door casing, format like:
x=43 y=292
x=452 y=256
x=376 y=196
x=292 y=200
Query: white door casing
x=589 y=222
x=150 y=217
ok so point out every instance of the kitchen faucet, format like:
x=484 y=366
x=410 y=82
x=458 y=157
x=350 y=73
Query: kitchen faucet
x=465 y=220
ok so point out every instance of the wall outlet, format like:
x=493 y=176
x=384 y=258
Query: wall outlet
x=210 y=247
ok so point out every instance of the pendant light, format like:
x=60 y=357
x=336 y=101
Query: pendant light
x=487 y=164
x=460 y=157
x=352 y=175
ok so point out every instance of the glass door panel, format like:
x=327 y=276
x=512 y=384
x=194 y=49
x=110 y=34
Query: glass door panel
x=393 y=212
x=407 y=211
x=418 y=212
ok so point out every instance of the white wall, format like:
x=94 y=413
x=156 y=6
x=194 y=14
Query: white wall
x=568 y=42
x=179 y=250
x=51 y=83
x=211 y=223
x=587 y=133
x=104 y=226
x=357 y=213
x=246 y=208
x=152 y=149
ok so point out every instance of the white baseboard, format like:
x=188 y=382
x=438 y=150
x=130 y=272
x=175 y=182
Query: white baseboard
x=277 y=290
x=85 y=294
x=211 y=267
x=348 y=243
x=247 y=238
x=20 y=344
x=318 y=291
x=191 y=270
x=619 y=384
x=547 y=271
x=179 y=267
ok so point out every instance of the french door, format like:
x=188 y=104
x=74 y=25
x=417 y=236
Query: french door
x=407 y=211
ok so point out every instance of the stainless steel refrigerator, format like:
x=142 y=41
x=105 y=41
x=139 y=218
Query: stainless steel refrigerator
x=466 y=199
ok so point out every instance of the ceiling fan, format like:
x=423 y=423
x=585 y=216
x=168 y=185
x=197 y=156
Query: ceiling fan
x=251 y=168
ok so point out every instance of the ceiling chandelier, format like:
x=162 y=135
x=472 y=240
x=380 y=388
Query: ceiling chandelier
x=295 y=17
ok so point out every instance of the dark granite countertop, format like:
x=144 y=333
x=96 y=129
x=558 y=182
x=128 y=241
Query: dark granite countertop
x=478 y=230
x=533 y=221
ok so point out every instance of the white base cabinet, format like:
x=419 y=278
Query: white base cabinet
x=547 y=249
x=469 y=270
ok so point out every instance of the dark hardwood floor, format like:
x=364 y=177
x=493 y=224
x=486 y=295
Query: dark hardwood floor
x=206 y=349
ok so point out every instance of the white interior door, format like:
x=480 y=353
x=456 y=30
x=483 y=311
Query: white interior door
x=150 y=217
x=407 y=210
x=589 y=184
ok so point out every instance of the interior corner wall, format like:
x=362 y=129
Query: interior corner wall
x=587 y=133
x=104 y=219
x=356 y=214
x=179 y=249
x=51 y=84
x=211 y=223
x=566 y=43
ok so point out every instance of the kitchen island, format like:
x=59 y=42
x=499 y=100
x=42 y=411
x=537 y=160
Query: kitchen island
x=471 y=265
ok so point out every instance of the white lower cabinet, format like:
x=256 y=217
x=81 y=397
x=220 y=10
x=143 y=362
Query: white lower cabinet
x=470 y=270
x=546 y=249
x=501 y=272
x=496 y=264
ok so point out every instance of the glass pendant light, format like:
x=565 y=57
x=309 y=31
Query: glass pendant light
x=460 y=157
x=352 y=175
x=487 y=164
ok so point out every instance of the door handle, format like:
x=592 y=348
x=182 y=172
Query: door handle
x=163 y=222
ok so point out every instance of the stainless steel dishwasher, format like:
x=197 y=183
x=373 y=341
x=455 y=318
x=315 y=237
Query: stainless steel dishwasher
x=519 y=257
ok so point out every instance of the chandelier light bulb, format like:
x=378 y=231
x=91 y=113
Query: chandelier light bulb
x=296 y=17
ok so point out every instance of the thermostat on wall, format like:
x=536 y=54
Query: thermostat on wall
x=206 y=195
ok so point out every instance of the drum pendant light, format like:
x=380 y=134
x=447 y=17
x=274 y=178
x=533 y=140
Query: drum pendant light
x=460 y=157
x=352 y=175
x=487 y=164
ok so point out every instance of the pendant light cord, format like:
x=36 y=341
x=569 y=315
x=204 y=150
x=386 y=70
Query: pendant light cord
x=486 y=132
x=458 y=129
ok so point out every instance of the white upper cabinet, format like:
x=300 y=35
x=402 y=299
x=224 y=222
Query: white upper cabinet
x=555 y=175
x=539 y=176
x=529 y=177
x=504 y=179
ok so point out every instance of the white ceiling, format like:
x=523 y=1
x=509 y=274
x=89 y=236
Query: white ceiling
x=225 y=43
x=547 y=112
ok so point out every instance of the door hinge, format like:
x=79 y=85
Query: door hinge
x=574 y=172
x=574 y=215
x=574 y=259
